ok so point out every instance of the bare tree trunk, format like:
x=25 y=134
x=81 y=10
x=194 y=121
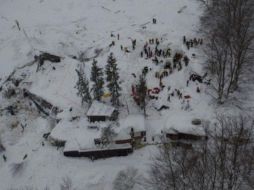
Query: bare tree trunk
x=224 y=162
x=228 y=26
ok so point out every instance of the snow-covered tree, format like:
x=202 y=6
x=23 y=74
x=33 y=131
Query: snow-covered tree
x=97 y=78
x=107 y=135
x=127 y=180
x=82 y=86
x=111 y=60
x=228 y=29
x=113 y=80
x=142 y=93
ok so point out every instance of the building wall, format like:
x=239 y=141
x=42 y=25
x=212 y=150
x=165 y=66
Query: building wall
x=191 y=136
x=96 y=154
x=184 y=136
x=102 y=118
x=139 y=134
x=123 y=141
x=172 y=136
x=96 y=118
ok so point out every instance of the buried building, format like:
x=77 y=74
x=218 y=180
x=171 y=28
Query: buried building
x=79 y=140
x=101 y=112
x=185 y=131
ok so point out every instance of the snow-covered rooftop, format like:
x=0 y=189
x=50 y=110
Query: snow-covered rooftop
x=74 y=145
x=100 y=109
x=75 y=132
x=71 y=145
x=181 y=123
x=137 y=122
x=122 y=135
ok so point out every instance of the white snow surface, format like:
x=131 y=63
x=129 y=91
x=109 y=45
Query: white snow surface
x=75 y=131
x=67 y=28
x=137 y=122
x=100 y=109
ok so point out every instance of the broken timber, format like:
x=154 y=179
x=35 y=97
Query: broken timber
x=41 y=104
x=46 y=57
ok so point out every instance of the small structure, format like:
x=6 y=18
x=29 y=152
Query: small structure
x=136 y=126
x=101 y=112
x=184 y=130
x=196 y=121
x=174 y=134
x=132 y=128
x=171 y=134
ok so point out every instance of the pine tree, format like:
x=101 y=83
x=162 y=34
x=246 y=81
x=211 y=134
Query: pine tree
x=111 y=61
x=82 y=86
x=107 y=135
x=97 y=78
x=142 y=92
x=113 y=80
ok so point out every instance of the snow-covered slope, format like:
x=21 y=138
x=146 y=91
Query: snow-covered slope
x=68 y=28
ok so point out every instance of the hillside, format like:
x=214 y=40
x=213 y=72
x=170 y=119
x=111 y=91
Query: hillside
x=79 y=31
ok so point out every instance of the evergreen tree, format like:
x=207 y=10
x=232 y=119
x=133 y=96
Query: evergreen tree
x=142 y=92
x=107 y=135
x=109 y=71
x=82 y=86
x=97 y=78
x=113 y=80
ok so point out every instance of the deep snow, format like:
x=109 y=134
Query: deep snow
x=68 y=28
